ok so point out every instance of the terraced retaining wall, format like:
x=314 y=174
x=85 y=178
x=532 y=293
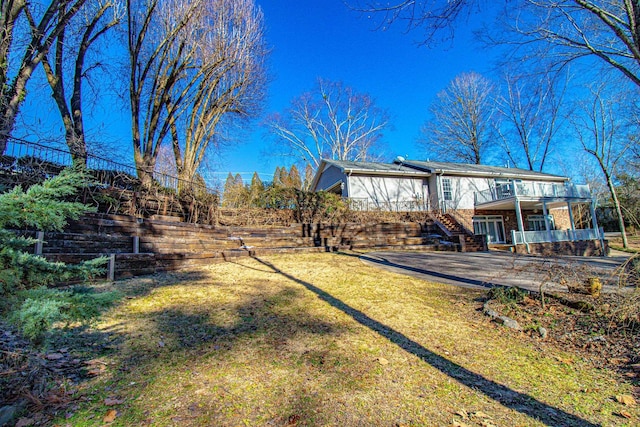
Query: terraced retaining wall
x=143 y=246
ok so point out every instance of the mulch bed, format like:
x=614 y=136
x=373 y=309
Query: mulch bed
x=604 y=330
x=38 y=385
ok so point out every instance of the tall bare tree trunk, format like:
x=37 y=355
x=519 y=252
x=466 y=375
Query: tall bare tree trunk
x=43 y=32
x=72 y=113
x=618 y=208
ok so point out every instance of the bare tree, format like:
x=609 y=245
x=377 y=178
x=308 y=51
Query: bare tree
x=157 y=60
x=605 y=134
x=436 y=18
x=566 y=30
x=225 y=79
x=530 y=113
x=193 y=64
x=21 y=53
x=332 y=121
x=93 y=21
x=461 y=127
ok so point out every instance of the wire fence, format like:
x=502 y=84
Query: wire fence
x=116 y=187
x=26 y=156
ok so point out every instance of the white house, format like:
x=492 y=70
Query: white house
x=508 y=205
x=374 y=186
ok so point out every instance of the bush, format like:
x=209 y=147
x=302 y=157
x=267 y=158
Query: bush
x=507 y=295
x=39 y=309
x=44 y=207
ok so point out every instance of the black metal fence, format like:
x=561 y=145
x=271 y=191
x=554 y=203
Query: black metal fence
x=30 y=157
x=118 y=189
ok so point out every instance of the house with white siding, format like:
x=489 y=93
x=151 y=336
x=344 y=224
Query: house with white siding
x=507 y=205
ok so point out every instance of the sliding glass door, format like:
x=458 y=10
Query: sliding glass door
x=491 y=226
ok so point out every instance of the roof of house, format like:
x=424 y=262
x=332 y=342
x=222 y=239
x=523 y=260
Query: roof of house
x=478 y=170
x=375 y=167
x=368 y=168
x=425 y=169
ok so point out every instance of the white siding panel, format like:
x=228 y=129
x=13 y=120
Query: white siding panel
x=384 y=191
x=463 y=190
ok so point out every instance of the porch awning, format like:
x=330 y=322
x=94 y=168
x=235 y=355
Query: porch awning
x=530 y=203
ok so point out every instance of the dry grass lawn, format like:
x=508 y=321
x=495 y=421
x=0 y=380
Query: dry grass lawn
x=323 y=339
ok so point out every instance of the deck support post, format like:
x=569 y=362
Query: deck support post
x=547 y=226
x=572 y=220
x=520 y=223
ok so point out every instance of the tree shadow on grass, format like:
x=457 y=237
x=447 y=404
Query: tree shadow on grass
x=507 y=397
x=255 y=317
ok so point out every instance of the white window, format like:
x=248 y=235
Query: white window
x=447 y=193
x=536 y=222
x=491 y=226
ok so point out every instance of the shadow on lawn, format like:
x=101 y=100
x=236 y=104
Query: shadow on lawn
x=509 y=398
x=254 y=317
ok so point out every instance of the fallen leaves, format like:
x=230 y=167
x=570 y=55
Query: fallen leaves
x=480 y=414
x=109 y=401
x=54 y=356
x=463 y=414
x=624 y=414
x=95 y=367
x=626 y=399
x=382 y=361
x=25 y=422
x=564 y=360
x=477 y=417
x=110 y=416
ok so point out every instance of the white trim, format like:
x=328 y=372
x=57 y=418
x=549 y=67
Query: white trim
x=497 y=220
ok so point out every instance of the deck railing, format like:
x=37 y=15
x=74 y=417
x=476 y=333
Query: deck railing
x=522 y=237
x=364 y=204
x=532 y=189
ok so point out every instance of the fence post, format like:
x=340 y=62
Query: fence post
x=112 y=267
x=39 y=242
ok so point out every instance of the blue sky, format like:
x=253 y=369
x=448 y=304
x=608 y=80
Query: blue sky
x=308 y=40
x=311 y=39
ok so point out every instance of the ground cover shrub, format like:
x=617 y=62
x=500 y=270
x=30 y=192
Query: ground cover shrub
x=507 y=295
x=24 y=276
x=39 y=309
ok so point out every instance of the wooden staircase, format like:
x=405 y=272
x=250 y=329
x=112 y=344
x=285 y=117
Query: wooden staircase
x=468 y=242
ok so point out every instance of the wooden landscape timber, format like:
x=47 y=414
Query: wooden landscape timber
x=145 y=246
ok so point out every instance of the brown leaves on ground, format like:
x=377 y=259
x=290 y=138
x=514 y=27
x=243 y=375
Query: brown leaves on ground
x=110 y=416
x=626 y=399
x=477 y=418
x=382 y=361
x=594 y=332
x=25 y=422
x=110 y=401
x=624 y=414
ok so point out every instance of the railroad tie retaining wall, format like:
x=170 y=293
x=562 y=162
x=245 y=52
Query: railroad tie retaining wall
x=144 y=246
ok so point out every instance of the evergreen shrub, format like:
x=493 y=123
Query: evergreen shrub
x=24 y=298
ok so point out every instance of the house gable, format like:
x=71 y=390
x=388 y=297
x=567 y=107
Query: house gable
x=374 y=185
